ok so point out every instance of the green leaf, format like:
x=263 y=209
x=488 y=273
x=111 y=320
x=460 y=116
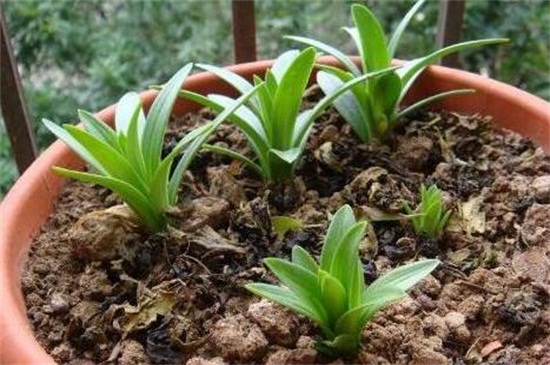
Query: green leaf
x=288 y=98
x=125 y=111
x=158 y=117
x=130 y=195
x=388 y=92
x=345 y=254
x=254 y=132
x=347 y=105
x=74 y=144
x=372 y=46
x=303 y=258
x=112 y=161
x=413 y=68
x=283 y=63
x=98 y=128
x=402 y=278
x=431 y=99
x=238 y=82
x=236 y=156
x=248 y=121
x=133 y=150
x=285 y=297
x=356 y=286
x=283 y=224
x=300 y=281
x=198 y=140
x=289 y=156
x=392 y=45
x=340 y=56
x=310 y=115
x=333 y=295
x=344 y=344
x=340 y=224
x=353 y=321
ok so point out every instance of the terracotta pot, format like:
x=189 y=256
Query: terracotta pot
x=30 y=201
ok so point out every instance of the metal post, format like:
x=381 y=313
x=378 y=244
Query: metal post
x=13 y=104
x=244 y=30
x=449 y=27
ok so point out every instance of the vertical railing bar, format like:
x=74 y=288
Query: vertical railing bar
x=244 y=30
x=12 y=101
x=449 y=28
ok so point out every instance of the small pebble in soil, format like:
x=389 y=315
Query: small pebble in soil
x=541 y=187
x=456 y=322
x=59 y=303
x=159 y=348
x=535 y=229
x=238 y=340
x=132 y=353
x=202 y=361
x=293 y=357
x=429 y=247
x=278 y=324
x=369 y=271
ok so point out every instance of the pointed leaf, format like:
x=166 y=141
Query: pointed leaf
x=374 y=53
x=282 y=63
x=353 y=321
x=344 y=60
x=413 y=68
x=340 y=224
x=346 y=104
x=288 y=98
x=158 y=117
x=131 y=196
x=431 y=99
x=392 y=45
x=333 y=295
x=286 y=298
x=303 y=258
x=98 y=128
x=125 y=110
x=200 y=137
x=74 y=144
x=346 y=254
x=237 y=81
x=403 y=277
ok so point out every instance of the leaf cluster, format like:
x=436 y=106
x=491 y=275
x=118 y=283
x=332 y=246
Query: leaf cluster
x=128 y=159
x=332 y=292
x=271 y=120
x=373 y=107
x=429 y=217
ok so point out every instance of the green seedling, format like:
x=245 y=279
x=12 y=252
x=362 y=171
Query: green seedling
x=271 y=120
x=373 y=108
x=429 y=217
x=127 y=159
x=332 y=292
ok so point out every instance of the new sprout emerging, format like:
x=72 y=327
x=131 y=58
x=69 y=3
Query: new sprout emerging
x=332 y=293
x=128 y=160
x=429 y=217
x=372 y=107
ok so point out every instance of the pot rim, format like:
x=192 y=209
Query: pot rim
x=38 y=187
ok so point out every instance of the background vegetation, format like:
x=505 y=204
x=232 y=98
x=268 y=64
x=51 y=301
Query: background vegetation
x=86 y=54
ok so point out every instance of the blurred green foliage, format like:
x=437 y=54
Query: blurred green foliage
x=86 y=54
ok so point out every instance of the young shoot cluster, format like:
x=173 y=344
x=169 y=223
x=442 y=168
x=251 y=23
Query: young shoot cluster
x=332 y=292
x=127 y=159
x=372 y=108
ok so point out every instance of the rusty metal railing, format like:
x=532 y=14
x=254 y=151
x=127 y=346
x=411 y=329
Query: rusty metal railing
x=12 y=100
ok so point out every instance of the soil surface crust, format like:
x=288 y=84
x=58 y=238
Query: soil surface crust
x=101 y=290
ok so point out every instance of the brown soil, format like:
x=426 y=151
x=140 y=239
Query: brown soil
x=100 y=290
